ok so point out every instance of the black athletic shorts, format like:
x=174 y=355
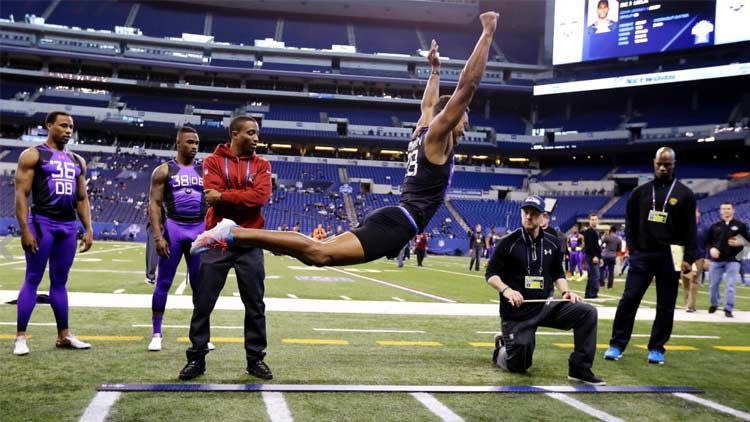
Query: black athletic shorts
x=385 y=232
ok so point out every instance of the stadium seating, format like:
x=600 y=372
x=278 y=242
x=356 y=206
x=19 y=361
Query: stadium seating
x=575 y=173
x=88 y=14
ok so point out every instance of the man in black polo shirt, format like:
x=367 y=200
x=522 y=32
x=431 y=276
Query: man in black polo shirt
x=593 y=252
x=526 y=265
x=724 y=246
x=659 y=225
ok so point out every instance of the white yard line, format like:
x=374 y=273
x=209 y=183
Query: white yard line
x=181 y=288
x=385 y=283
x=398 y=299
x=435 y=406
x=583 y=407
x=83 y=255
x=345 y=297
x=276 y=406
x=118 y=291
x=292 y=296
x=219 y=327
x=454 y=272
x=359 y=330
x=99 y=407
x=716 y=406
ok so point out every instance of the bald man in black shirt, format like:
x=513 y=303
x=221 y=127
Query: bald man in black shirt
x=660 y=217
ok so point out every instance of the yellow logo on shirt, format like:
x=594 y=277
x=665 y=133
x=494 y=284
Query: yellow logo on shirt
x=672 y=201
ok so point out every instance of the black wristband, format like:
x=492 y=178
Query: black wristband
x=503 y=290
x=564 y=293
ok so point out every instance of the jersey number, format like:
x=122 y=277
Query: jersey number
x=411 y=163
x=63 y=177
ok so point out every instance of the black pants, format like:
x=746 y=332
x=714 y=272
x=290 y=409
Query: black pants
x=644 y=266
x=420 y=256
x=476 y=256
x=609 y=264
x=152 y=258
x=520 y=336
x=215 y=265
x=594 y=280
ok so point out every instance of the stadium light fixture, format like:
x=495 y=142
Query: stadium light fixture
x=479 y=157
x=518 y=159
x=281 y=146
x=390 y=151
x=323 y=148
x=346 y=149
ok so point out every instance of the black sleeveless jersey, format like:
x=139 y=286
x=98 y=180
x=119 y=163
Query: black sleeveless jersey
x=425 y=183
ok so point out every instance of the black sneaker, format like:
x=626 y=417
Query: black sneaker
x=584 y=375
x=499 y=343
x=258 y=368
x=712 y=309
x=728 y=314
x=194 y=368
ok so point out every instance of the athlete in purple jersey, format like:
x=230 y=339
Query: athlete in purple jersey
x=176 y=188
x=428 y=174
x=56 y=180
x=575 y=250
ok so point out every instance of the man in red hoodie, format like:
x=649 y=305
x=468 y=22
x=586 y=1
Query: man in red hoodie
x=237 y=183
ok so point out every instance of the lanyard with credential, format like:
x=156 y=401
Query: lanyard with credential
x=533 y=255
x=666 y=198
x=226 y=173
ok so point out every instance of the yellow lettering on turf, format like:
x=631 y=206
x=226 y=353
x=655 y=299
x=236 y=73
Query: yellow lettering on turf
x=733 y=348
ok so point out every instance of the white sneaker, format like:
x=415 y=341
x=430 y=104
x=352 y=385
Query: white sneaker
x=211 y=346
x=70 y=342
x=20 y=348
x=218 y=237
x=155 y=344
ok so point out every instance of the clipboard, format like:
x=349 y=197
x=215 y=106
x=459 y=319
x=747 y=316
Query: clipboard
x=678 y=253
x=745 y=252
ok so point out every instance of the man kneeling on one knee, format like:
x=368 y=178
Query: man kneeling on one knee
x=524 y=268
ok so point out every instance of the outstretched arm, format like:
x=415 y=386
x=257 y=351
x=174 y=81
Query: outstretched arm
x=468 y=83
x=432 y=90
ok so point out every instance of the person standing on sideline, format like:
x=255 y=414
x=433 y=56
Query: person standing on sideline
x=575 y=250
x=724 y=246
x=420 y=247
x=527 y=265
x=56 y=180
x=611 y=244
x=593 y=253
x=659 y=219
x=692 y=280
x=476 y=243
x=177 y=192
x=237 y=184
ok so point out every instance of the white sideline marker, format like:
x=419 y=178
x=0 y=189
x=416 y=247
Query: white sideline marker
x=276 y=407
x=435 y=406
x=583 y=407
x=181 y=288
x=99 y=407
x=292 y=296
x=398 y=299
x=345 y=297
x=118 y=291
x=87 y=254
x=406 y=289
x=716 y=406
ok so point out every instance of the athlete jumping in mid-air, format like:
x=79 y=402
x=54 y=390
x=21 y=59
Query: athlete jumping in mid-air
x=428 y=174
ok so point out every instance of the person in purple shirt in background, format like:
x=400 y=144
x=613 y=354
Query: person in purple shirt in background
x=55 y=178
x=177 y=191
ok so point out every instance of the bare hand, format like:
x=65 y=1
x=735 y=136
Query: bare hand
x=213 y=197
x=86 y=241
x=686 y=268
x=162 y=247
x=434 y=56
x=595 y=260
x=489 y=21
x=734 y=242
x=28 y=242
x=515 y=298
x=572 y=297
x=714 y=253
